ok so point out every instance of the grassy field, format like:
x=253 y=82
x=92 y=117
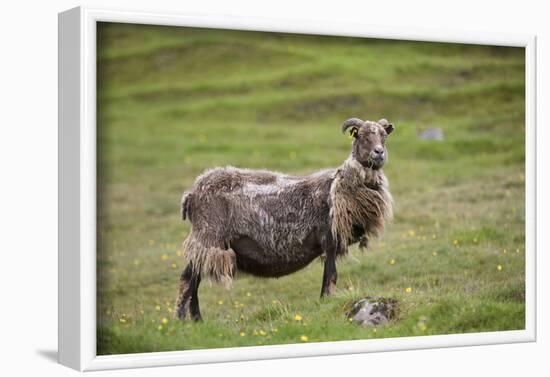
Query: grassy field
x=174 y=101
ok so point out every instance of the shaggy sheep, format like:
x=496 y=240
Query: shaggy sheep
x=271 y=224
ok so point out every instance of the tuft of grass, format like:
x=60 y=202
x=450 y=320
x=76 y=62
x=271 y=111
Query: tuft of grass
x=175 y=101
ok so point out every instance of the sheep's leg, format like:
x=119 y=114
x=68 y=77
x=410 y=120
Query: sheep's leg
x=188 y=300
x=329 y=275
x=194 y=307
x=184 y=294
x=363 y=243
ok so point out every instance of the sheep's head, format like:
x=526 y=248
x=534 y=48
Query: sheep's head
x=368 y=141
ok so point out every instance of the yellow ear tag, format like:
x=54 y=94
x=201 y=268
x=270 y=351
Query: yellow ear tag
x=353 y=133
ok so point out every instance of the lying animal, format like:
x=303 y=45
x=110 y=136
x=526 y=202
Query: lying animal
x=271 y=224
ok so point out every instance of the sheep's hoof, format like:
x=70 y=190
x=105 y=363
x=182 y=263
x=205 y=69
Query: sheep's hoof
x=196 y=318
x=329 y=291
x=373 y=311
x=184 y=317
x=179 y=315
x=181 y=310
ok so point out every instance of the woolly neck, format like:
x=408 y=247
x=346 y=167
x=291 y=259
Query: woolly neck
x=354 y=172
x=360 y=199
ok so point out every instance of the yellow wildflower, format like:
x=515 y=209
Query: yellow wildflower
x=499 y=267
x=242 y=333
x=164 y=321
x=164 y=257
x=297 y=317
x=392 y=262
x=304 y=338
x=408 y=289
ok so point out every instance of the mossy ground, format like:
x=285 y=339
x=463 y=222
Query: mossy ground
x=174 y=101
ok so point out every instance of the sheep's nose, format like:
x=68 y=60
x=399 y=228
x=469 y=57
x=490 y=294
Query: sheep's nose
x=379 y=150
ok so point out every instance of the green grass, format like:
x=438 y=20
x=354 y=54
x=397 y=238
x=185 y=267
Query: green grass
x=174 y=101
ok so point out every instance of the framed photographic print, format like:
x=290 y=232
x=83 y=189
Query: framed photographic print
x=237 y=189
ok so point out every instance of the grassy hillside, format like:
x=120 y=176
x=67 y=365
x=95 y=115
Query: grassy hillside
x=174 y=101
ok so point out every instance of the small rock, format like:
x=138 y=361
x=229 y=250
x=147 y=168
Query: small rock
x=373 y=311
x=432 y=134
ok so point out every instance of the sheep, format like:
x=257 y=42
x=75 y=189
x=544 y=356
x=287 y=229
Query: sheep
x=270 y=224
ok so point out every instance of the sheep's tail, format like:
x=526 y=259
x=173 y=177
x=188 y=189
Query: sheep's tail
x=185 y=202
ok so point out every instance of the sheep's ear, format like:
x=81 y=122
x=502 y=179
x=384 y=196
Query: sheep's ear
x=352 y=126
x=353 y=132
x=387 y=125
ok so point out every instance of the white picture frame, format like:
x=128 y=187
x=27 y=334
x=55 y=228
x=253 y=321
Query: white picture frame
x=77 y=191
